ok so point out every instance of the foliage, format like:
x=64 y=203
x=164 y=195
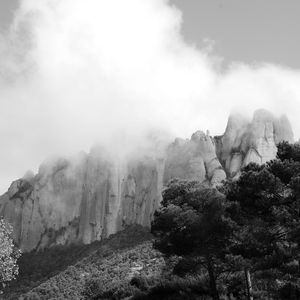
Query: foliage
x=191 y=220
x=253 y=229
x=193 y=223
x=9 y=254
x=265 y=203
x=211 y=239
x=190 y=288
x=102 y=270
x=287 y=151
x=290 y=291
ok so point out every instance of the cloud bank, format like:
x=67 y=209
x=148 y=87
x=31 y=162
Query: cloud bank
x=77 y=72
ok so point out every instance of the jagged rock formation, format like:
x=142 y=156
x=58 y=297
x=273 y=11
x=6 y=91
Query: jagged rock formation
x=251 y=141
x=82 y=199
x=194 y=159
x=94 y=195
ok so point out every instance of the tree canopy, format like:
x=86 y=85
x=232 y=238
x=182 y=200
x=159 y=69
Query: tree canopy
x=9 y=254
x=251 y=224
x=193 y=223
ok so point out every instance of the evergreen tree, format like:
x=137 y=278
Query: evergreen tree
x=266 y=202
x=192 y=223
x=250 y=224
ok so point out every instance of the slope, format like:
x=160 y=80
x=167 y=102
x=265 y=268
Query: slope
x=83 y=271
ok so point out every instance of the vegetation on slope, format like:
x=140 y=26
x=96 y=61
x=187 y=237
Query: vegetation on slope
x=248 y=231
x=241 y=241
x=124 y=266
x=71 y=272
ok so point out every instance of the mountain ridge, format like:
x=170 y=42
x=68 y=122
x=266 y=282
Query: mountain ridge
x=94 y=195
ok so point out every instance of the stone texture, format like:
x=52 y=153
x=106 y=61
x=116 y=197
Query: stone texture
x=90 y=196
x=82 y=199
x=251 y=141
x=194 y=159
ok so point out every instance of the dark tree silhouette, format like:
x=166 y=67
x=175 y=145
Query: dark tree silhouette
x=250 y=224
x=192 y=223
x=266 y=201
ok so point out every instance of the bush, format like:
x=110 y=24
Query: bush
x=186 y=266
x=290 y=291
x=9 y=254
x=177 y=288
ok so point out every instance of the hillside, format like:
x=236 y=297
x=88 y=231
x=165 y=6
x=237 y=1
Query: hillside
x=84 y=271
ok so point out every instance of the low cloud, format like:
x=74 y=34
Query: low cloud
x=79 y=72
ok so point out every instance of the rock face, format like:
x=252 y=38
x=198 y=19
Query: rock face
x=82 y=200
x=194 y=159
x=251 y=141
x=93 y=195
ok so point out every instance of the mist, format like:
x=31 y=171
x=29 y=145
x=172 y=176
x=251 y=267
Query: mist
x=75 y=73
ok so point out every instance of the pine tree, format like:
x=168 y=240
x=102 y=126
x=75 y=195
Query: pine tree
x=192 y=224
x=266 y=201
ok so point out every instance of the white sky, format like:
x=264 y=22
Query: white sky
x=76 y=72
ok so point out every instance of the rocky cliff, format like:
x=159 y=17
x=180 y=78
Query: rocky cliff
x=93 y=195
x=194 y=159
x=82 y=199
x=251 y=141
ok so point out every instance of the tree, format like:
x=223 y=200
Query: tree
x=287 y=151
x=255 y=227
x=9 y=254
x=192 y=223
x=266 y=199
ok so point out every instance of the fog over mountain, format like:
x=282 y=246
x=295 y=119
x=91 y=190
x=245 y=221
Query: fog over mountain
x=90 y=196
x=75 y=73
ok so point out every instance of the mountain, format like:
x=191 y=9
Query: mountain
x=244 y=142
x=91 y=196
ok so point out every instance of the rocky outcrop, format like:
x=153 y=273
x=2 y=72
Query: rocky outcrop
x=82 y=199
x=194 y=159
x=251 y=141
x=90 y=196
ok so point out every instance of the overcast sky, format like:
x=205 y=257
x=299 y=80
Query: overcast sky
x=247 y=30
x=77 y=72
